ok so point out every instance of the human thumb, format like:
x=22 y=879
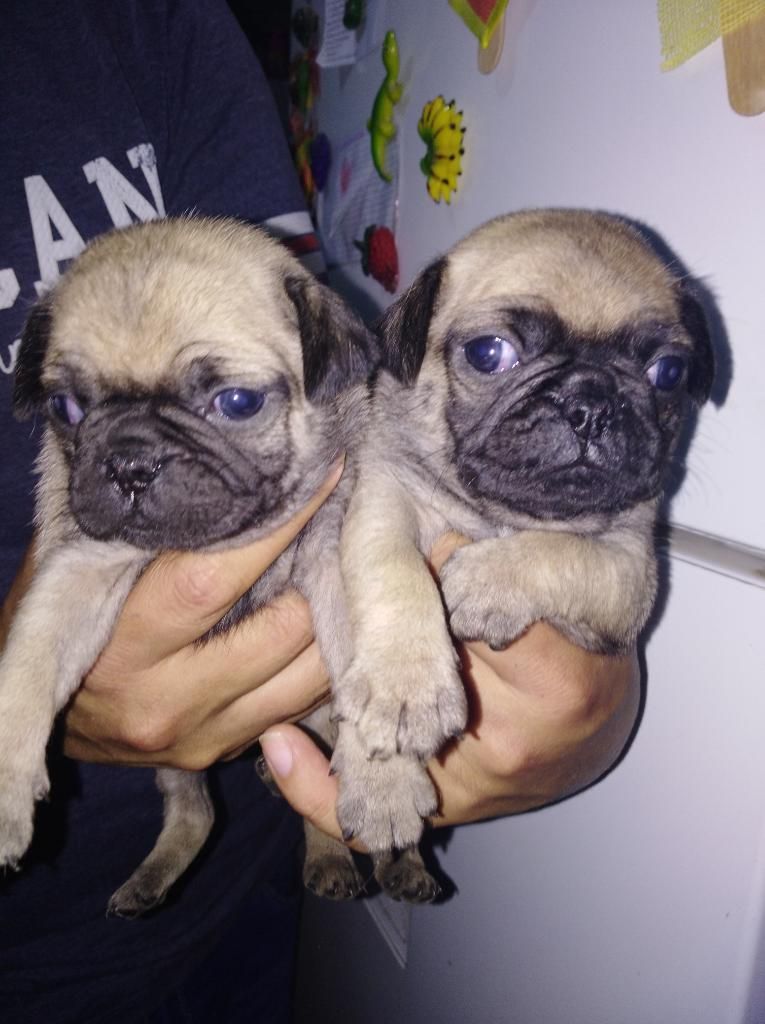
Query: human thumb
x=301 y=771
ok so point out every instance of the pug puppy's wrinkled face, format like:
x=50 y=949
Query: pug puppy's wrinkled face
x=188 y=384
x=566 y=355
x=564 y=425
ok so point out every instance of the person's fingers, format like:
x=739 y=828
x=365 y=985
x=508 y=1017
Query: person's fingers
x=289 y=696
x=294 y=692
x=524 y=749
x=253 y=652
x=146 y=708
x=446 y=545
x=183 y=594
x=301 y=771
x=526 y=663
x=90 y=746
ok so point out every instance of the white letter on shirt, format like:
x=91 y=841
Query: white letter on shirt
x=46 y=212
x=9 y=290
x=119 y=195
x=143 y=156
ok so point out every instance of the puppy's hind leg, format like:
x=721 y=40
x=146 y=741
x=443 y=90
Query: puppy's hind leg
x=329 y=869
x=188 y=818
x=405 y=877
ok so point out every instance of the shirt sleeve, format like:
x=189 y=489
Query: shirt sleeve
x=208 y=108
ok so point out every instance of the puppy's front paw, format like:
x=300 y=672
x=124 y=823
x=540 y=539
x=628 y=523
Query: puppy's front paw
x=19 y=791
x=409 y=704
x=382 y=803
x=481 y=602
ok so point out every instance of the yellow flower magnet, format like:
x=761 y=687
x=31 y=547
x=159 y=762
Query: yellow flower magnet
x=440 y=128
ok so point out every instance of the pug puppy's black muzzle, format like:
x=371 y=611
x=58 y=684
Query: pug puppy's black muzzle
x=132 y=473
x=583 y=440
x=157 y=475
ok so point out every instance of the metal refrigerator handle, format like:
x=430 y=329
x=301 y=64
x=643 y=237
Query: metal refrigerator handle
x=726 y=557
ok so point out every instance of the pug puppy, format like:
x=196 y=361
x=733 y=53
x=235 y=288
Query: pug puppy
x=197 y=384
x=535 y=382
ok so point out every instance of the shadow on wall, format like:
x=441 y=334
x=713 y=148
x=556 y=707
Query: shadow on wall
x=723 y=356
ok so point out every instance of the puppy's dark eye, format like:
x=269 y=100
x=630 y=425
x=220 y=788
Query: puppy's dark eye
x=238 y=403
x=66 y=408
x=666 y=373
x=491 y=354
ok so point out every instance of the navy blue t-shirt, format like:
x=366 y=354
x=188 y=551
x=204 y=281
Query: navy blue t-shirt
x=115 y=111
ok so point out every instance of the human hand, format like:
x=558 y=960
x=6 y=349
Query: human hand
x=546 y=719
x=157 y=697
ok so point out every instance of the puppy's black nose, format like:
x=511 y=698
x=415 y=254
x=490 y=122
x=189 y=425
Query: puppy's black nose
x=589 y=412
x=131 y=473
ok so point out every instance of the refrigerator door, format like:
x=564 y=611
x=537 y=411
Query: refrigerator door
x=641 y=901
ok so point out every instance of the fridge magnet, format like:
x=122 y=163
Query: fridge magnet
x=486 y=20
x=381 y=126
x=301 y=137
x=379 y=258
x=305 y=25
x=353 y=14
x=440 y=128
x=354 y=197
x=320 y=156
x=688 y=28
x=304 y=82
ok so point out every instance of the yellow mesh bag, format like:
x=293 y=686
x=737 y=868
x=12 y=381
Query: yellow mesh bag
x=737 y=13
x=687 y=26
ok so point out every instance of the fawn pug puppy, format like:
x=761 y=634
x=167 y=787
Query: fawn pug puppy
x=197 y=384
x=536 y=380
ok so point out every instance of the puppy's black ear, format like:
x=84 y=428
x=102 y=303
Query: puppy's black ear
x=338 y=350
x=28 y=391
x=403 y=328
x=694 y=319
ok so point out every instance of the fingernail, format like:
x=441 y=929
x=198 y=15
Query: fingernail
x=336 y=469
x=277 y=752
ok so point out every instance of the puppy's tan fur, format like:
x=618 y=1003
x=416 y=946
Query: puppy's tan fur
x=132 y=328
x=148 y=325
x=598 y=285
